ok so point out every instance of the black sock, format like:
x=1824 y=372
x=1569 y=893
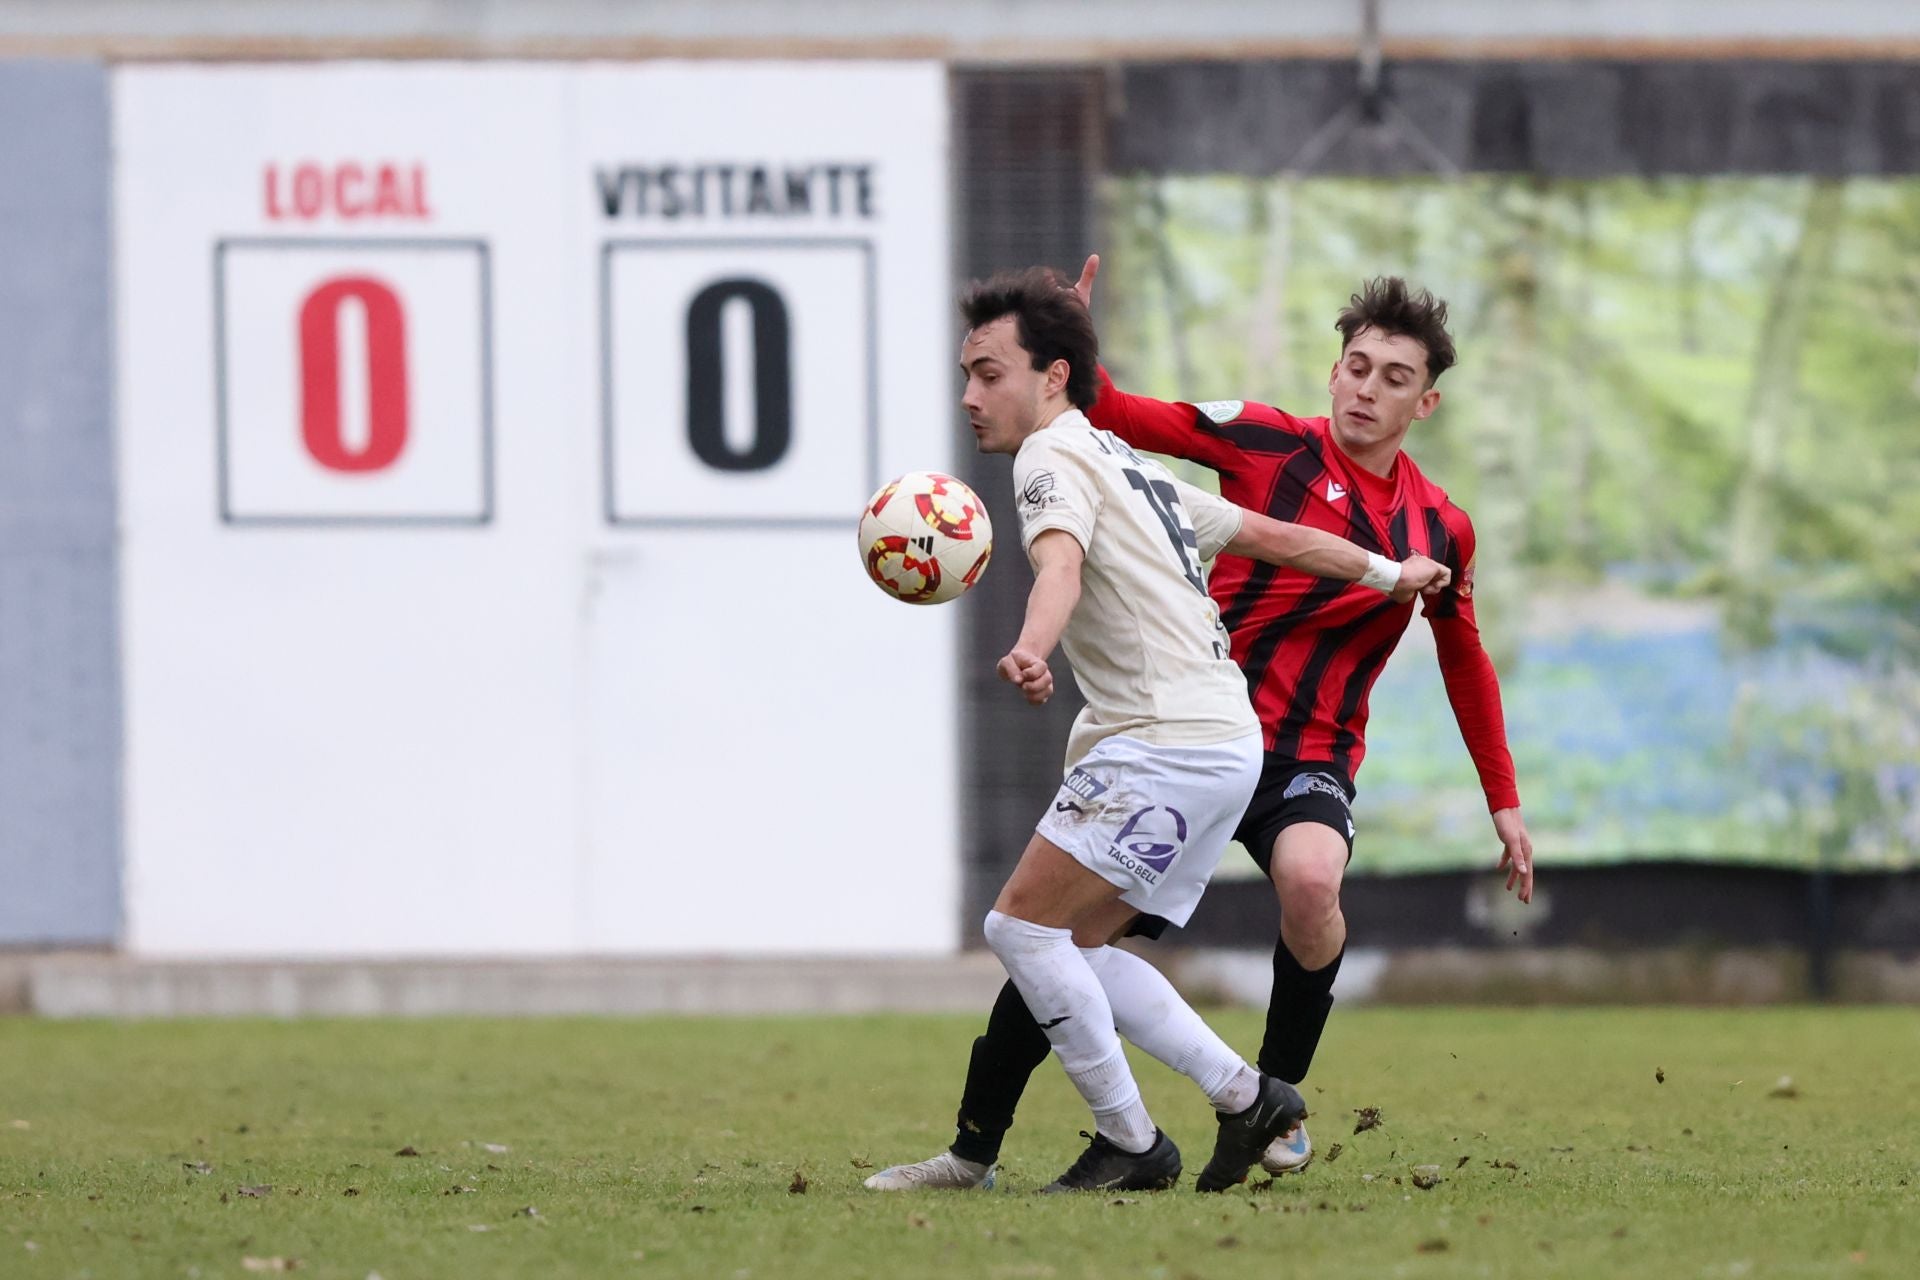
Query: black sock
x=1296 y=1014
x=1003 y=1061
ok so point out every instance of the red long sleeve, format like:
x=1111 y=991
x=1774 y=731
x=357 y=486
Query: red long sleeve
x=1473 y=687
x=1160 y=426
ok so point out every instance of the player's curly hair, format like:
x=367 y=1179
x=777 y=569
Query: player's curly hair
x=1050 y=322
x=1390 y=305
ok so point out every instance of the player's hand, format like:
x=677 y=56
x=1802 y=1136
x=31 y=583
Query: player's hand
x=1030 y=673
x=1516 y=851
x=1420 y=576
x=1083 y=287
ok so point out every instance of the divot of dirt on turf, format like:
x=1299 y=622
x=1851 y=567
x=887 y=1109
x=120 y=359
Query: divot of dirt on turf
x=1366 y=1118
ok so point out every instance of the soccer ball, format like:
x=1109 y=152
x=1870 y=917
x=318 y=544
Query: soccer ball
x=925 y=538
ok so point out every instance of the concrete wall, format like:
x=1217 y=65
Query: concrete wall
x=59 y=624
x=1029 y=29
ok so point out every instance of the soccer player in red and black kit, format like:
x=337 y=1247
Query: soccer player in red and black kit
x=1311 y=649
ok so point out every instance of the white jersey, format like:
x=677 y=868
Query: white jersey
x=1145 y=641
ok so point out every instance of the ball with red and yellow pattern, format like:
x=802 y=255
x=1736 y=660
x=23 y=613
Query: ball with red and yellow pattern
x=925 y=538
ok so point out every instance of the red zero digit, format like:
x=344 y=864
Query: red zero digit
x=320 y=375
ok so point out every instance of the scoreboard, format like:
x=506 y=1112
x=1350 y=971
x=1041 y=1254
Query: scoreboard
x=491 y=443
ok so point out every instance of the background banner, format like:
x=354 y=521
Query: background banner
x=1686 y=423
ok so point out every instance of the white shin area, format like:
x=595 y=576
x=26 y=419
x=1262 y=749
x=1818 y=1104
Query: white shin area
x=1151 y=1014
x=1066 y=999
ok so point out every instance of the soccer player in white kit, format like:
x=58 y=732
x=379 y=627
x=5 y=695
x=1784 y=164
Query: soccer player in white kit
x=1163 y=758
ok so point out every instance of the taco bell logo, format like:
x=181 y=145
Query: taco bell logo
x=1150 y=841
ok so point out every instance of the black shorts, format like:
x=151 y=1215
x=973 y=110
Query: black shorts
x=1290 y=792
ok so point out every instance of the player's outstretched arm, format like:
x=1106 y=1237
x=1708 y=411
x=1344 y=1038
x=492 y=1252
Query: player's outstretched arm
x=1057 y=556
x=1326 y=555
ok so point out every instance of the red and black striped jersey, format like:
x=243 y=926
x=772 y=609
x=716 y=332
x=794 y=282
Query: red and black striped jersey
x=1312 y=647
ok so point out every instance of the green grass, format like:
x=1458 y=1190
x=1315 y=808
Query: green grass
x=670 y=1147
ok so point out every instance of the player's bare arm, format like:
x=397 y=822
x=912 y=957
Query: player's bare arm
x=1327 y=555
x=1056 y=556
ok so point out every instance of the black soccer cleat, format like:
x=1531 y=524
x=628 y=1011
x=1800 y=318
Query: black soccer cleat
x=1245 y=1136
x=1105 y=1167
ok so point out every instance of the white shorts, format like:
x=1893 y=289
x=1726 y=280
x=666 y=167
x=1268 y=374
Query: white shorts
x=1154 y=820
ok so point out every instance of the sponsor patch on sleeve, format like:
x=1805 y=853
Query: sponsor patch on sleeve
x=1222 y=411
x=1041 y=490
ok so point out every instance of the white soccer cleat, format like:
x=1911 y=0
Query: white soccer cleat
x=945 y=1172
x=1291 y=1152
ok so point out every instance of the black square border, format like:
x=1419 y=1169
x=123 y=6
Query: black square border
x=609 y=499
x=227 y=514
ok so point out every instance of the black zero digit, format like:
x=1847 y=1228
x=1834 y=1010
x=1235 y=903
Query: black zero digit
x=706 y=376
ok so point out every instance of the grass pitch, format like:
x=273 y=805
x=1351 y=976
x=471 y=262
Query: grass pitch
x=1565 y=1143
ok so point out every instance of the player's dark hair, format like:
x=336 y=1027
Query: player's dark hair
x=1390 y=305
x=1049 y=320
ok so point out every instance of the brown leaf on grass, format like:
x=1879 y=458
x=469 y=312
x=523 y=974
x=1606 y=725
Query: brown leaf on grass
x=920 y=1220
x=407 y=1151
x=1435 y=1245
x=798 y=1187
x=1463 y=1162
x=696 y=1208
x=1619 y=1233
x=1505 y=1164
x=858 y=1163
x=1485 y=1219
x=1659 y=1076
x=260 y=1192
x=1368 y=1118
x=1334 y=1152
x=1227 y=1242
x=276 y=1263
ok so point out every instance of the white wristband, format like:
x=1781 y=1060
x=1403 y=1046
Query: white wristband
x=1382 y=574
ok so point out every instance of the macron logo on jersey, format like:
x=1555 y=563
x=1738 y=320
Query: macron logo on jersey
x=1335 y=492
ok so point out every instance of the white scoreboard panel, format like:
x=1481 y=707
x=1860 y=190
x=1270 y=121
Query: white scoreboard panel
x=491 y=444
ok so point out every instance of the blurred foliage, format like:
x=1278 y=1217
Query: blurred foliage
x=1686 y=422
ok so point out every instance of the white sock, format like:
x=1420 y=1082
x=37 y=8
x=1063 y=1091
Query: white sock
x=1151 y=1014
x=1061 y=990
